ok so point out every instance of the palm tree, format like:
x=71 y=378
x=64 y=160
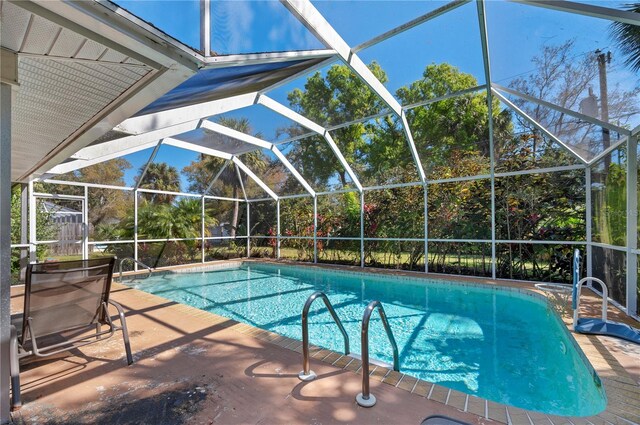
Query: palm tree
x=203 y=171
x=160 y=176
x=627 y=37
x=180 y=220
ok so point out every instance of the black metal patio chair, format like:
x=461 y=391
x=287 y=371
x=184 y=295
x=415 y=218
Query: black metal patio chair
x=65 y=307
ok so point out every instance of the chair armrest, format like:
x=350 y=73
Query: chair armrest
x=117 y=306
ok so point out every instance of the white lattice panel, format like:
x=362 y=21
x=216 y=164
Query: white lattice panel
x=13 y=28
x=67 y=44
x=56 y=98
x=113 y=56
x=91 y=50
x=40 y=37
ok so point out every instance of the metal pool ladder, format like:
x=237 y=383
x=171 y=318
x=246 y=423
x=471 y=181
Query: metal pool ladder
x=140 y=263
x=307 y=374
x=365 y=398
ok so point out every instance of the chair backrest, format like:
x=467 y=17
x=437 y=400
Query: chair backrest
x=66 y=295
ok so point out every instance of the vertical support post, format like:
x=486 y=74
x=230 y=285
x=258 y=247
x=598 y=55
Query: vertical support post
x=362 y=228
x=24 y=229
x=202 y=230
x=85 y=224
x=632 y=224
x=482 y=21
x=425 y=188
x=33 y=235
x=588 y=218
x=205 y=27
x=278 y=228
x=135 y=229
x=315 y=228
x=248 y=231
x=5 y=247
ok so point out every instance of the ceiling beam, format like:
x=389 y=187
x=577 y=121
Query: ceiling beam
x=158 y=120
x=224 y=61
x=583 y=117
x=538 y=126
x=594 y=11
x=262 y=144
x=411 y=24
x=311 y=18
x=255 y=178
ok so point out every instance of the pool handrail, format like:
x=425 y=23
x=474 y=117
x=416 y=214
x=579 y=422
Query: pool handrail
x=577 y=289
x=365 y=398
x=138 y=262
x=307 y=374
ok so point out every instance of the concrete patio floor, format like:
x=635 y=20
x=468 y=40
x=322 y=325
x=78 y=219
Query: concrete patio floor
x=198 y=368
x=194 y=368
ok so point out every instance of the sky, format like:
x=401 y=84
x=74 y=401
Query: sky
x=516 y=34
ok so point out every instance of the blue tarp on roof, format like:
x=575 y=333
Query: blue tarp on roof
x=218 y=83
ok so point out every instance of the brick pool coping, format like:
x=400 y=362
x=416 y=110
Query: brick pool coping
x=622 y=391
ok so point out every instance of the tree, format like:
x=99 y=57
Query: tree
x=160 y=176
x=564 y=79
x=338 y=97
x=627 y=38
x=451 y=128
x=106 y=205
x=200 y=173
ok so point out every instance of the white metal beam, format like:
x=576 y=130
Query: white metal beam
x=583 y=117
x=482 y=25
x=286 y=112
x=586 y=9
x=411 y=24
x=205 y=27
x=244 y=192
x=311 y=18
x=6 y=100
x=293 y=171
x=67 y=167
x=158 y=120
x=235 y=134
x=538 y=125
x=105 y=151
x=217 y=176
x=255 y=178
x=608 y=150
x=343 y=161
x=316 y=128
x=147 y=165
x=262 y=58
x=196 y=148
x=106 y=148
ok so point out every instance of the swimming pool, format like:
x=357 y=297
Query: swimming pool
x=498 y=344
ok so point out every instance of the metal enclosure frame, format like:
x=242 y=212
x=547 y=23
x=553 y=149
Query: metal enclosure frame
x=163 y=128
x=173 y=63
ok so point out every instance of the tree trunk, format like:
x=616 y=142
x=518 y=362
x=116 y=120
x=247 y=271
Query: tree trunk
x=343 y=178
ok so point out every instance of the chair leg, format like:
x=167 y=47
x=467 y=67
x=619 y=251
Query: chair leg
x=125 y=337
x=14 y=366
x=125 y=331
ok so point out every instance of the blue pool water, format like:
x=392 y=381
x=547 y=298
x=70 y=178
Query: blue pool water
x=497 y=344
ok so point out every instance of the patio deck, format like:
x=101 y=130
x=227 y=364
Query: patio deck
x=199 y=368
